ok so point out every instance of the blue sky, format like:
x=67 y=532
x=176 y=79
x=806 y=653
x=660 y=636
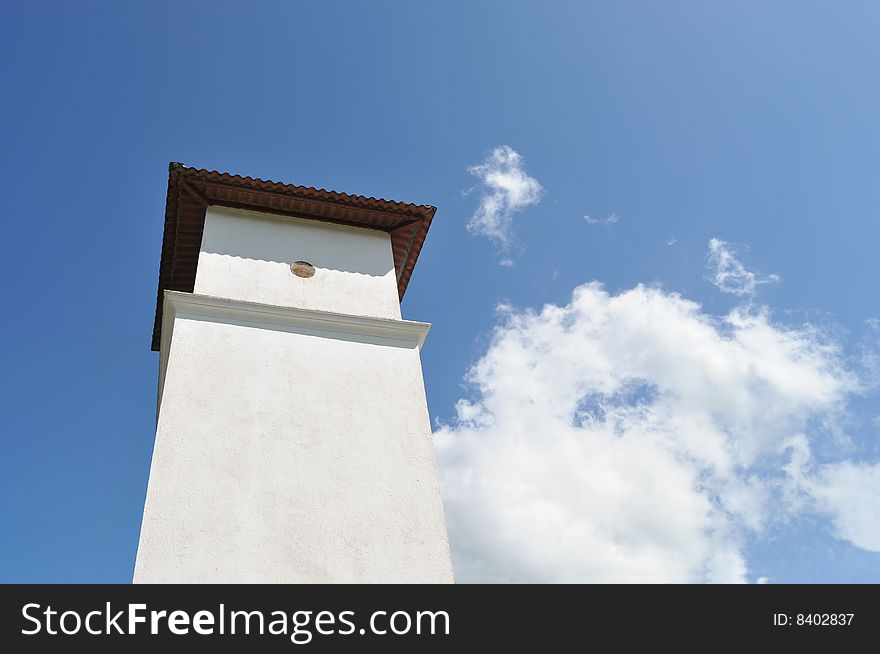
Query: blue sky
x=752 y=123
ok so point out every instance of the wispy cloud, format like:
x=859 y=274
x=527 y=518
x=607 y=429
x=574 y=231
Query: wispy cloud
x=730 y=275
x=505 y=189
x=605 y=222
x=850 y=493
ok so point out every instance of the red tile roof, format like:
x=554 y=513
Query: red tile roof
x=192 y=190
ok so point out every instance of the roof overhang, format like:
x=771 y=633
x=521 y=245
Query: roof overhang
x=191 y=191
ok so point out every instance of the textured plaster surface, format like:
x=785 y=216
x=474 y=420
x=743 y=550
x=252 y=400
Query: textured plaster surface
x=286 y=457
x=247 y=256
x=293 y=442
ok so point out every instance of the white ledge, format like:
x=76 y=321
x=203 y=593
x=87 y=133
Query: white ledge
x=402 y=333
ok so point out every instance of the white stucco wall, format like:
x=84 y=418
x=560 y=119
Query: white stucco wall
x=247 y=255
x=292 y=446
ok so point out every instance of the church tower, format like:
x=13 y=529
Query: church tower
x=293 y=442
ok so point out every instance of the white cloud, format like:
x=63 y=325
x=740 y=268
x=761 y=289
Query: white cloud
x=730 y=275
x=505 y=189
x=605 y=222
x=870 y=354
x=633 y=437
x=850 y=493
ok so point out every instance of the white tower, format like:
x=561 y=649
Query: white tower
x=293 y=442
